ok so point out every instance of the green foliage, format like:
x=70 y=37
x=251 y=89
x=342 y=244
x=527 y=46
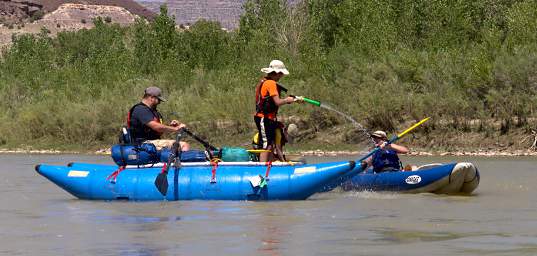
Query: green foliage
x=382 y=61
x=206 y=45
x=522 y=24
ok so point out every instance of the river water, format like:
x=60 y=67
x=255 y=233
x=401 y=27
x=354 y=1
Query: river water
x=500 y=218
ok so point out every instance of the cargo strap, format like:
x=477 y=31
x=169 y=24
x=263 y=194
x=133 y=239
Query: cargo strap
x=214 y=163
x=113 y=177
x=269 y=165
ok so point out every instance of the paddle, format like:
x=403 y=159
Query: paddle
x=161 y=182
x=257 y=151
x=393 y=139
x=206 y=144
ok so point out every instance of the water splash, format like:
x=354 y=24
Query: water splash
x=362 y=129
x=367 y=194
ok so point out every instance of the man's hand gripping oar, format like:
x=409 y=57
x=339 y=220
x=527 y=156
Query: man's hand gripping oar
x=392 y=140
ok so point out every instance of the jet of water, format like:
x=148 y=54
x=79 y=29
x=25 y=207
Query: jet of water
x=362 y=129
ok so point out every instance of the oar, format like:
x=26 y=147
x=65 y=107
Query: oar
x=256 y=151
x=206 y=144
x=211 y=147
x=161 y=182
x=393 y=139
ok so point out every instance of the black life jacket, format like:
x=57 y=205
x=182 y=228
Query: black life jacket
x=130 y=135
x=265 y=104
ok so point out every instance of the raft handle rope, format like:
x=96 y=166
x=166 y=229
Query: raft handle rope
x=269 y=165
x=113 y=176
x=214 y=163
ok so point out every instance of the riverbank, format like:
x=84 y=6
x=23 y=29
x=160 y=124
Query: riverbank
x=335 y=141
x=317 y=152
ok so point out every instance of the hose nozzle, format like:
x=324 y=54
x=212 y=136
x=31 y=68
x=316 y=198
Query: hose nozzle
x=310 y=101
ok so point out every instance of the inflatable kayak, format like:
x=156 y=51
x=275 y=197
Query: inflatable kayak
x=453 y=178
x=197 y=180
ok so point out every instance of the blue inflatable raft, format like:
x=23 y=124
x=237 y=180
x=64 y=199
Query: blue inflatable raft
x=452 y=178
x=197 y=180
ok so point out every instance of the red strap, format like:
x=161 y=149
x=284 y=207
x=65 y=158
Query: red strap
x=269 y=165
x=258 y=96
x=113 y=177
x=129 y=120
x=163 y=168
x=215 y=165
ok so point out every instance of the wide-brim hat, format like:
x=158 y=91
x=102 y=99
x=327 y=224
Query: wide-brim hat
x=276 y=66
x=155 y=92
x=379 y=134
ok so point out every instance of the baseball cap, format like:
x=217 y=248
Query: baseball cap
x=154 y=91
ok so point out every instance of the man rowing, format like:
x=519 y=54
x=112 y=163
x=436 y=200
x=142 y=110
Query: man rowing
x=385 y=159
x=145 y=121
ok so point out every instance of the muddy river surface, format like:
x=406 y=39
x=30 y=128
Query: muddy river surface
x=499 y=218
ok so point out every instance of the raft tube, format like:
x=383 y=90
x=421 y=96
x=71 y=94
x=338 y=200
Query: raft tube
x=452 y=178
x=193 y=181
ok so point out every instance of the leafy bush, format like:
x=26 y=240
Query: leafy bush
x=384 y=62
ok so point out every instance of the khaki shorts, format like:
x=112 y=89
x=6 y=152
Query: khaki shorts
x=161 y=143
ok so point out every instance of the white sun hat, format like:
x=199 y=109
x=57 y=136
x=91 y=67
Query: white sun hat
x=276 y=66
x=379 y=134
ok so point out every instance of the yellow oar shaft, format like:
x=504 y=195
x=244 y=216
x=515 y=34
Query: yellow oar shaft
x=412 y=127
x=258 y=150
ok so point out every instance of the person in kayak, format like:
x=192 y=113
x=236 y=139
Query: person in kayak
x=268 y=101
x=145 y=122
x=385 y=159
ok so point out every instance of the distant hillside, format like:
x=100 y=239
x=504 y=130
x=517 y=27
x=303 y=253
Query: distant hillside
x=130 y=5
x=31 y=16
x=186 y=12
x=18 y=12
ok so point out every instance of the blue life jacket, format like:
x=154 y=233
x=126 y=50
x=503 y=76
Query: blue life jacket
x=386 y=159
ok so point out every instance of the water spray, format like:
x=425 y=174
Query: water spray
x=325 y=106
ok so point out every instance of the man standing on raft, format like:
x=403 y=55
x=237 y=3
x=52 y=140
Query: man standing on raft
x=267 y=100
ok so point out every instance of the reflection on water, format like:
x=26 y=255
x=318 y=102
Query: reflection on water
x=500 y=243
x=38 y=218
x=401 y=236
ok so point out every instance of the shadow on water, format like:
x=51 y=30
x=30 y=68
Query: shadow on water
x=130 y=219
x=141 y=249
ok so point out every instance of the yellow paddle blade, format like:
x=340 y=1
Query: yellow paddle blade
x=258 y=150
x=412 y=127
